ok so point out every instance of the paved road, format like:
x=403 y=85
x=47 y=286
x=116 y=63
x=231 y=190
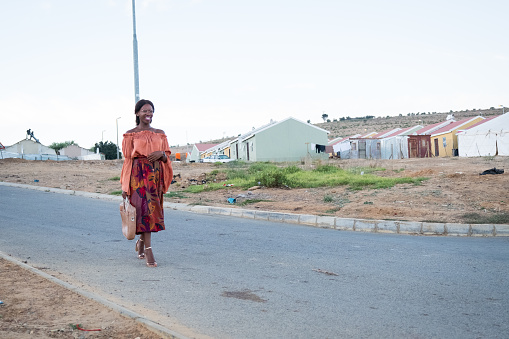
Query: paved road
x=238 y=278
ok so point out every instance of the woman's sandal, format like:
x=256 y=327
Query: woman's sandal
x=140 y=249
x=151 y=262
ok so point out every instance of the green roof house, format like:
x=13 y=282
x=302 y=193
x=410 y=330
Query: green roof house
x=286 y=140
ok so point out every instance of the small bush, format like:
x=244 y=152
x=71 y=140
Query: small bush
x=476 y=218
x=326 y=169
x=261 y=167
x=251 y=201
x=272 y=178
x=328 y=198
x=292 y=169
x=232 y=174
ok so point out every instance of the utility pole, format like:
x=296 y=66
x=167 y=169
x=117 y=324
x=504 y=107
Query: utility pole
x=135 y=54
x=118 y=152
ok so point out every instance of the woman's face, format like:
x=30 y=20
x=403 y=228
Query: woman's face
x=145 y=114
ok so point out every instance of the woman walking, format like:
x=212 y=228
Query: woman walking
x=146 y=176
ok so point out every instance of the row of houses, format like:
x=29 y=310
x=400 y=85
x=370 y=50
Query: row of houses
x=33 y=150
x=287 y=140
x=474 y=136
x=295 y=140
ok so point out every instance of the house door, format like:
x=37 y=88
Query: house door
x=362 y=149
x=413 y=148
x=237 y=151
x=425 y=149
x=247 y=148
x=436 y=147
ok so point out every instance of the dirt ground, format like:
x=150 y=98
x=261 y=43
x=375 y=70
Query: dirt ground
x=34 y=307
x=37 y=308
x=454 y=188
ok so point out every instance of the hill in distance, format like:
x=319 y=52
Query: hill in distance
x=346 y=126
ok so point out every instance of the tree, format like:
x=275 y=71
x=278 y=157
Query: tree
x=109 y=150
x=57 y=146
x=325 y=116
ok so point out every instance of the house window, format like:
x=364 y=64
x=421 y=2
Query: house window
x=377 y=146
x=354 y=147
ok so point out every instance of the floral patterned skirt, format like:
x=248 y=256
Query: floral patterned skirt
x=147 y=195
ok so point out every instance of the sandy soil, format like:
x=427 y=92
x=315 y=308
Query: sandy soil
x=36 y=308
x=454 y=188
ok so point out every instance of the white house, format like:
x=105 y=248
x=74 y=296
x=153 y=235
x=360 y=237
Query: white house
x=485 y=139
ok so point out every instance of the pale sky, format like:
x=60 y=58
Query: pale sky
x=217 y=68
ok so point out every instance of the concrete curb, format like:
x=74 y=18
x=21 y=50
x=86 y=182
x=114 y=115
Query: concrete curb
x=342 y=224
x=153 y=326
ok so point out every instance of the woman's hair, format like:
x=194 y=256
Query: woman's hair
x=138 y=107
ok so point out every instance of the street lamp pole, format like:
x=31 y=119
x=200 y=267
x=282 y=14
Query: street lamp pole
x=118 y=152
x=135 y=55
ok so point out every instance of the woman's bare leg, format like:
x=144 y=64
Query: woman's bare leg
x=149 y=255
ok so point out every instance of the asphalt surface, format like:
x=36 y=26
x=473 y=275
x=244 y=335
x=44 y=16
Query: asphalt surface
x=229 y=277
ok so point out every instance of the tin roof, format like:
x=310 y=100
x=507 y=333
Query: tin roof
x=341 y=139
x=431 y=128
x=386 y=133
x=482 y=122
x=455 y=125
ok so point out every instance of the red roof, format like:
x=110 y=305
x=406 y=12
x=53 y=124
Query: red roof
x=430 y=128
x=482 y=122
x=401 y=131
x=343 y=139
x=454 y=125
x=367 y=135
x=383 y=134
x=204 y=147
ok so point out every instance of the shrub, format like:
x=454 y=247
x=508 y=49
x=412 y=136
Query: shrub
x=292 y=169
x=476 y=218
x=326 y=169
x=260 y=167
x=328 y=198
x=272 y=178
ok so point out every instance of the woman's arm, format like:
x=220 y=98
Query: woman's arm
x=157 y=155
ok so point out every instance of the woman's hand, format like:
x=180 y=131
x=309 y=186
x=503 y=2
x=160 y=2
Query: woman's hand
x=157 y=155
x=124 y=194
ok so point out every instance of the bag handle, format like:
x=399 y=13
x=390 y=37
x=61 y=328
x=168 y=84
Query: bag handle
x=126 y=199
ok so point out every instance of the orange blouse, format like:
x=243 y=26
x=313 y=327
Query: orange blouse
x=141 y=144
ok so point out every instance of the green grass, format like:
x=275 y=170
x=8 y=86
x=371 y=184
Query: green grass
x=269 y=175
x=476 y=218
x=328 y=198
x=114 y=179
x=116 y=193
x=178 y=195
x=333 y=210
x=251 y=201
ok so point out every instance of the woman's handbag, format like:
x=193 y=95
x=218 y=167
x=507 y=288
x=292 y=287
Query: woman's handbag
x=128 y=215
